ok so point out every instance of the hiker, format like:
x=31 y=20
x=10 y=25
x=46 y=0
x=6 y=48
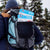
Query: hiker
x=4 y=15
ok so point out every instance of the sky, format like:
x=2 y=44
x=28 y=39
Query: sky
x=46 y=4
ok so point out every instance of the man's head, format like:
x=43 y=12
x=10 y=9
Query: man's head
x=11 y=4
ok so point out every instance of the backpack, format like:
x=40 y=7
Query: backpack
x=20 y=32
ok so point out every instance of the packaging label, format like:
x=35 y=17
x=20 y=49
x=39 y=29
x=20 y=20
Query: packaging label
x=25 y=15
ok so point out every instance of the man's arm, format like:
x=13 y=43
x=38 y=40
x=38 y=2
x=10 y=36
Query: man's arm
x=1 y=27
x=38 y=35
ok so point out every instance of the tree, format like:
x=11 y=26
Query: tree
x=47 y=27
x=46 y=13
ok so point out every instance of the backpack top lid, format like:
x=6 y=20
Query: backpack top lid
x=25 y=15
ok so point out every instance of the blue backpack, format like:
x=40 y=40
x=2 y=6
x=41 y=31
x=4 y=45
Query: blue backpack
x=21 y=32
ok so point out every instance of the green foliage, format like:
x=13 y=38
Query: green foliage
x=3 y=4
x=38 y=9
x=46 y=13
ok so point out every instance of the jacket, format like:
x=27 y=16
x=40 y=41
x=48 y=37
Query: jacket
x=3 y=35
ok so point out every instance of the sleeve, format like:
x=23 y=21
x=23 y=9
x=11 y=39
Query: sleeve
x=3 y=26
x=38 y=35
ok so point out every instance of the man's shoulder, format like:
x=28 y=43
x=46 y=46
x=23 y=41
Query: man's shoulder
x=1 y=16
